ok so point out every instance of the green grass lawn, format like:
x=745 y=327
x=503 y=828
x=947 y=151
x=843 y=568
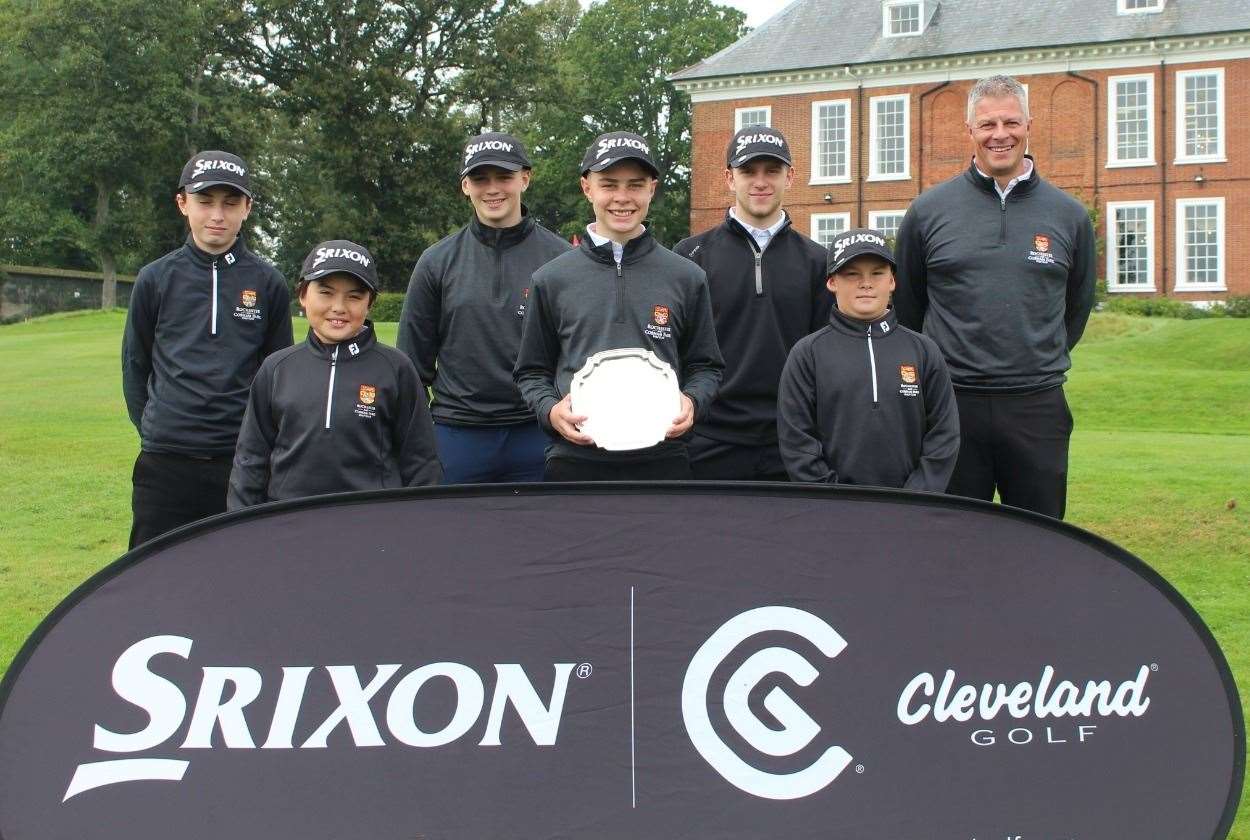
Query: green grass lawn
x=1160 y=462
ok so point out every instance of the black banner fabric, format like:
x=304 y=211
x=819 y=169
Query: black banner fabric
x=622 y=661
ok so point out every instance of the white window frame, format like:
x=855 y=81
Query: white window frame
x=738 y=112
x=1113 y=283
x=1181 y=280
x=905 y=175
x=1121 y=8
x=1113 y=150
x=1219 y=155
x=885 y=18
x=818 y=217
x=850 y=143
x=874 y=215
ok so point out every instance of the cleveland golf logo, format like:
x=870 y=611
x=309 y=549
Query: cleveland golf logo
x=225 y=691
x=797 y=727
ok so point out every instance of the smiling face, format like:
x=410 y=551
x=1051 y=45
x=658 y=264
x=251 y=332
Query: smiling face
x=1000 y=133
x=214 y=216
x=759 y=186
x=496 y=194
x=862 y=287
x=336 y=306
x=621 y=196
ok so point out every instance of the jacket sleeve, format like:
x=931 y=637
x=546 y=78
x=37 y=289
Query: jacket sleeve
x=702 y=365
x=535 y=369
x=689 y=248
x=249 y=475
x=798 y=434
x=911 y=290
x=822 y=299
x=414 y=431
x=137 y=346
x=418 y=337
x=1081 y=280
x=278 y=335
x=940 y=446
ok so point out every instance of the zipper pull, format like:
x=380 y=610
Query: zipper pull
x=759 y=273
x=618 y=270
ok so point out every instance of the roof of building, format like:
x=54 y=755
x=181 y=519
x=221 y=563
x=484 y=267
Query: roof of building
x=833 y=33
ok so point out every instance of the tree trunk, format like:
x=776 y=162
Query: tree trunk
x=108 y=293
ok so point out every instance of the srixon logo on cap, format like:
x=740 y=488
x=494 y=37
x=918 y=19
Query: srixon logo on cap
x=486 y=146
x=202 y=166
x=324 y=254
x=606 y=146
x=747 y=139
x=841 y=245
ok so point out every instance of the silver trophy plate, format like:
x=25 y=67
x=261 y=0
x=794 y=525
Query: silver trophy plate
x=629 y=397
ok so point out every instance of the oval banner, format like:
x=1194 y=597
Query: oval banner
x=622 y=661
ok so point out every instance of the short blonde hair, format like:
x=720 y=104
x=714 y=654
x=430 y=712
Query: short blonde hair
x=997 y=86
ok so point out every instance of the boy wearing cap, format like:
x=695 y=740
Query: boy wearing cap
x=620 y=288
x=461 y=321
x=201 y=320
x=767 y=283
x=341 y=411
x=865 y=400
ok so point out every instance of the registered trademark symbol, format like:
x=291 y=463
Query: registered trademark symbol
x=859 y=768
x=1154 y=666
x=585 y=670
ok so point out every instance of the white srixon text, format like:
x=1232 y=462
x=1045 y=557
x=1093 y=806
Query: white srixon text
x=606 y=146
x=324 y=254
x=202 y=166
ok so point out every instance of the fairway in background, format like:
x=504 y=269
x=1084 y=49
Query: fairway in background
x=1162 y=445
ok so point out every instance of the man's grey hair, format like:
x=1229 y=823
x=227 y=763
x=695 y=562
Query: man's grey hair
x=997 y=86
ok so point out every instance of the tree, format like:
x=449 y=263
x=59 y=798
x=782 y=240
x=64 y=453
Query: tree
x=612 y=74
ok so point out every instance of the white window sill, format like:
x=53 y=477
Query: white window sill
x=1209 y=159
x=1117 y=289
x=1204 y=287
x=819 y=182
x=904 y=176
x=1125 y=164
x=902 y=34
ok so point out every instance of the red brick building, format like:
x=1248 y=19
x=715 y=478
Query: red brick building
x=1139 y=109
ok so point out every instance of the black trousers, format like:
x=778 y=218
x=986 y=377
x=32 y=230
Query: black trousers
x=1017 y=444
x=173 y=490
x=668 y=468
x=716 y=460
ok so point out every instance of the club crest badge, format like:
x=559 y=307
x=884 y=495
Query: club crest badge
x=368 y=394
x=248 y=298
x=1041 y=243
x=659 y=316
x=907 y=373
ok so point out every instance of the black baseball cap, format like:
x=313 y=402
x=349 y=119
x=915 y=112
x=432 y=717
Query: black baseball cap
x=856 y=243
x=615 y=146
x=215 y=169
x=494 y=148
x=757 y=141
x=340 y=255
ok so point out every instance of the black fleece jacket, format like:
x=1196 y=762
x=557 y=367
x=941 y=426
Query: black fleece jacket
x=463 y=311
x=1004 y=287
x=762 y=303
x=868 y=403
x=583 y=302
x=328 y=418
x=198 y=327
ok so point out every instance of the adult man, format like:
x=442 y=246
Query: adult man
x=201 y=320
x=767 y=283
x=997 y=267
x=461 y=321
x=619 y=289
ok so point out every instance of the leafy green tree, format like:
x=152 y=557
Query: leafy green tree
x=612 y=74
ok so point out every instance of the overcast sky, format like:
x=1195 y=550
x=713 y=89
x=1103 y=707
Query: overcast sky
x=757 y=11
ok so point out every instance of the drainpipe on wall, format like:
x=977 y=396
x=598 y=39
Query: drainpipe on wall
x=920 y=134
x=1097 y=118
x=859 y=162
x=1163 y=175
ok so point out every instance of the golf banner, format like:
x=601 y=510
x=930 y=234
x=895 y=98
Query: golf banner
x=622 y=661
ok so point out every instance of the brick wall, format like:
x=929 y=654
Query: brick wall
x=1068 y=139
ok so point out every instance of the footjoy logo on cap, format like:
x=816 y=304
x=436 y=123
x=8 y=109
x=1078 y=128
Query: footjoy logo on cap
x=747 y=139
x=606 y=146
x=324 y=254
x=485 y=146
x=797 y=727
x=202 y=166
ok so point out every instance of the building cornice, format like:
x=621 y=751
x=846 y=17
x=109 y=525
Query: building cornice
x=1023 y=62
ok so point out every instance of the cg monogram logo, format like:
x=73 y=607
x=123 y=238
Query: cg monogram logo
x=797 y=727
